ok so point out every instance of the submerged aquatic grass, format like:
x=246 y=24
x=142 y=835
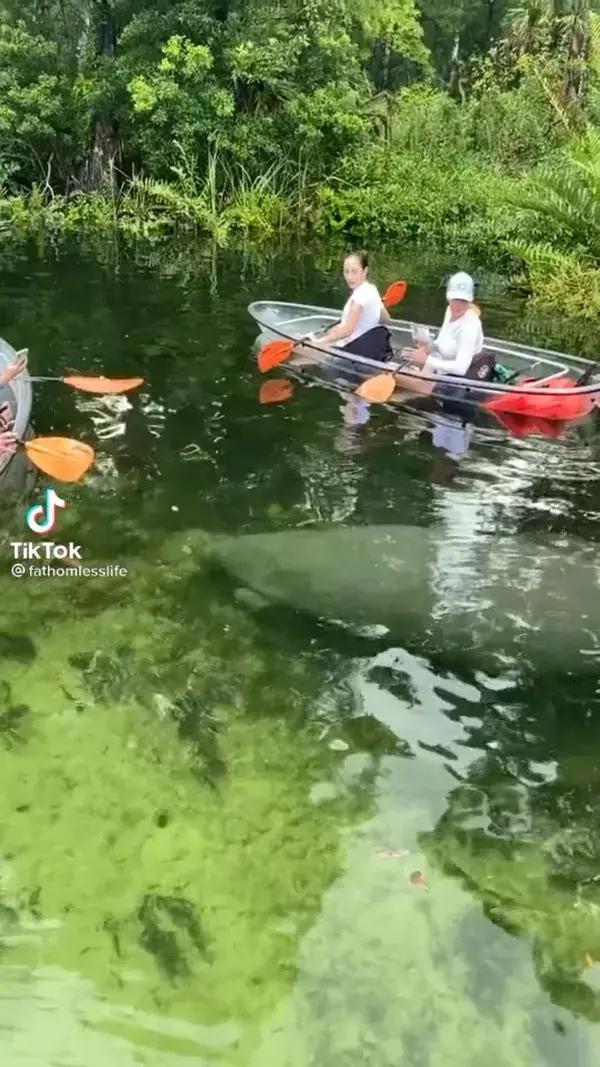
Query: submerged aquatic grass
x=180 y=832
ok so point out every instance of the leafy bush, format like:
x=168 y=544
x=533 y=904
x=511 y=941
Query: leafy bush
x=42 y=121
x=177 y=101
x=421 y=200
x=562 y=262
x=511 y=128
x=507 y=129
x=430 y=124
x=516 y=126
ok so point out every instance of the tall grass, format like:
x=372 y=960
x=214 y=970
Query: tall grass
x=226 y=199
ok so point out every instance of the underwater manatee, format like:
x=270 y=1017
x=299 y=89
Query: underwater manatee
x=499 y=599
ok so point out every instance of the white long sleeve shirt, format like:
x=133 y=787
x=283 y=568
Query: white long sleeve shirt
x=456 y=345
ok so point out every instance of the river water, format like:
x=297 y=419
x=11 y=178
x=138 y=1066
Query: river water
x=233 y=842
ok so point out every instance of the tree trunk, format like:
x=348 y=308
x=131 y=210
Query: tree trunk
x=386 y=65
x=98 y=171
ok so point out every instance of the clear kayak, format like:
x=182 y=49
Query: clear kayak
x=526 y=381
x=17 y=474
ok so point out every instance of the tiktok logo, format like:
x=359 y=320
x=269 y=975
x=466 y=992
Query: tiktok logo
x=41 y=518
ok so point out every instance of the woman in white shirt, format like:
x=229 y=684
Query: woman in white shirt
x=360 y=331
x=459 y=343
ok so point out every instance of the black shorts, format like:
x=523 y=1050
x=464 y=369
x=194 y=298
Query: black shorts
x=374 y=344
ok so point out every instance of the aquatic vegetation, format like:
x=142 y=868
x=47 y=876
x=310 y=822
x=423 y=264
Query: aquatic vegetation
x=248 y=894
x=13 y=718
x=161 y=943
x=536 y=880
x=102 y=764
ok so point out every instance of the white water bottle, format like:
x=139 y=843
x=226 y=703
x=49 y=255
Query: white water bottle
x=422 y=335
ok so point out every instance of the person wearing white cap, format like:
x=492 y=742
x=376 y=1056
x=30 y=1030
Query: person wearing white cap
x=460 y=340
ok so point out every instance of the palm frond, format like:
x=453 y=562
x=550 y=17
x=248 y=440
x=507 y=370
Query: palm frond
x=569 y=197
x=544 y=258
x=560 y=280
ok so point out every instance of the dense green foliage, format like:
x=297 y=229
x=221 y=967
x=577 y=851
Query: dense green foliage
x=409 y=119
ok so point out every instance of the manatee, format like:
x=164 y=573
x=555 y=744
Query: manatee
x=500 y=600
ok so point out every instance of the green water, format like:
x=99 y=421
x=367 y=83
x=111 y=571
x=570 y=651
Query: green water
x=210 y=819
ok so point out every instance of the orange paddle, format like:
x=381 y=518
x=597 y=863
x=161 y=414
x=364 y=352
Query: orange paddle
x=394 y=294
x=275 y=352
x=60 y=457
x=275 y=390
x=378 y=389
x=97 y=385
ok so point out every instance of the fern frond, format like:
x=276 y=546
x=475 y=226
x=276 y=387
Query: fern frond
x=165 y=195
x=560 y=280
x=544 y=258
x=569 y=198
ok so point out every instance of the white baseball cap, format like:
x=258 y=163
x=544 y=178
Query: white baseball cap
x=460 y=287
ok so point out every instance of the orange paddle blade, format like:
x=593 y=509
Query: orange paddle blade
x=60 y=457
x=276 y=389
x=274 y=353
x=394 y=294
x=378 y=389
x=104 y=385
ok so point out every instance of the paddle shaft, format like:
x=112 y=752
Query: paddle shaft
x=100 y=385
x=37 y=379
x=41 y=379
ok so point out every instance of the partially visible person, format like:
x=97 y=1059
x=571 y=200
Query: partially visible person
x=361 y=330
x=14 y=369
x=8 y=441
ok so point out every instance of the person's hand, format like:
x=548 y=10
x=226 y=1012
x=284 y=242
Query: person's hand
x=8 y=442
x=6 y=417
x=16 y=368
x=419 y=354
x=317 y=339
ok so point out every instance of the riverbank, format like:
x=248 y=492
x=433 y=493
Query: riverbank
x=498 y=221
x=366 y=126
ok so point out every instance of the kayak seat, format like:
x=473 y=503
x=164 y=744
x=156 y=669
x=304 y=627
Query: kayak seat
x=482 y=367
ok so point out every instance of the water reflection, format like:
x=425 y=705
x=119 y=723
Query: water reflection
x=434 y=954
x=486 y=757
x=512 y=777
x=356 y=413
